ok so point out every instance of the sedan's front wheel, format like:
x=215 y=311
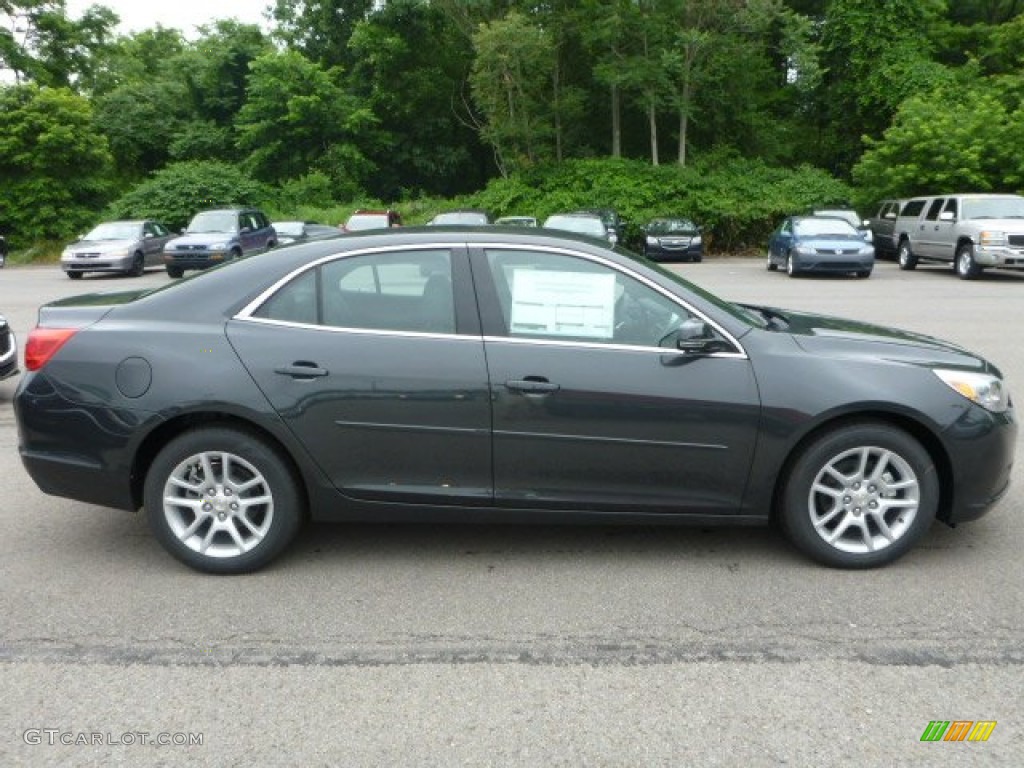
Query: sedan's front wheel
x=966 y=267
x=791 y=268
x=771 y=265
x=860 y=496
x=222 y=500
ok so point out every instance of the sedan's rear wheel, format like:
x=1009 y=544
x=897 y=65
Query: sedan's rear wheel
x=222 y=500
x=860 y=496
x=138 y=267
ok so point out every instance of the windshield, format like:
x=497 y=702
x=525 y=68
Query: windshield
x=848 y=216
x=584 y=225
x=994 y=208
x=289 y=228
x=671 y=227
x=214 y=221
x=460 y=217
x=367 y=221
x=823 y=227
x=115 y=230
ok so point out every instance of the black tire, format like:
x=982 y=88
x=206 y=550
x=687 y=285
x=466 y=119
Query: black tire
x=905 y=256
x=239 y=531
x=771 y=265
x=791 y=268
x=869 y=455
x=236 y=254
x=965 y=265
x=75 y=275
x=175 y=272
x=697 y=259
x=864 y=273
x=138 y=268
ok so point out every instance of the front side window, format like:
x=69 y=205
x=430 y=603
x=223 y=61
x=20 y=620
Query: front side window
x=558 y=297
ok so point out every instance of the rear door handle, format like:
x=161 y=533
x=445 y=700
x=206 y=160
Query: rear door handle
x=532 y=385
x=303 y=370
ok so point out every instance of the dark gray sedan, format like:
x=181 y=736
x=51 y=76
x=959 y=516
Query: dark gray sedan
x=804 y=244
x=493 y=375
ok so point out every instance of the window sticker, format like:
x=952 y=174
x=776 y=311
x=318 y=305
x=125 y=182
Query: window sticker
x=551 y=303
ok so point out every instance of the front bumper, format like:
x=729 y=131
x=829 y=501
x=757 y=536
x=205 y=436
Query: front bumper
x=1006 y=257
x=981 y=446
x=99 y=263
x=195 y=259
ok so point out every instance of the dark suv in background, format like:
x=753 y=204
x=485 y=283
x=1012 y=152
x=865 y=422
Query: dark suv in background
x=216 y=236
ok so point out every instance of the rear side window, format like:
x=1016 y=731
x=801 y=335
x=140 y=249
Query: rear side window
x=934 y=208
x=913 y=208
x=401 y=291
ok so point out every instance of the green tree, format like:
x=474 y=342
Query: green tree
x=410 y=65
x=321 y=30
x=963 y=136
x=512 y=88
x=175 y=193
x=875 y=55
x=298 y=118
x=40 y=43
x=55 y=166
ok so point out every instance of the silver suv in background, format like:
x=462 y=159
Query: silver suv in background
x=970 y=231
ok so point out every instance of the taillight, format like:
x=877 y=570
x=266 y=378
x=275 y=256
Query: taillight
x=43 y=343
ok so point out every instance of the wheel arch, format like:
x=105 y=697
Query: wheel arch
x=915 y=428
x=172 y=428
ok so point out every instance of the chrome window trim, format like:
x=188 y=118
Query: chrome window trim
x=247 y=311
x=358 y=331
x=597 y=345
x=618 y=268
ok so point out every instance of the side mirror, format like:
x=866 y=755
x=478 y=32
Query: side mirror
x=890 y=215
x=695 y=337
x=946 y=216
x=243 y=230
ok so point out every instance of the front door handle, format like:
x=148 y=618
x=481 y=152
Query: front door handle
x=532 y=385
x=303 y=370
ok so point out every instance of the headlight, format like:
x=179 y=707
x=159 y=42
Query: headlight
x=982 y=388
x=219 y=246
x=695 y=240
x=991 y=237
x=806 y=250
x=67 y=253
x=651 y=240
x=867 y=251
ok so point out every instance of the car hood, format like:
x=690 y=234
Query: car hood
x=839 y=337
x=101 y=246
x=202 y=238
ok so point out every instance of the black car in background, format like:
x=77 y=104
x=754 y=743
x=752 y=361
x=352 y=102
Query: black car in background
x=8 y=350
x=497 y=375
x=672 y=238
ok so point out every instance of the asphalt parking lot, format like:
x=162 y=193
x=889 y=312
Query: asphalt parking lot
x=533 y=646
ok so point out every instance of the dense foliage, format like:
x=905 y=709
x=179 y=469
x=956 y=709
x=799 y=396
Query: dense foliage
x=731 y=111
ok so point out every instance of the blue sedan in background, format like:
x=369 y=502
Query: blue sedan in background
x=804 y=244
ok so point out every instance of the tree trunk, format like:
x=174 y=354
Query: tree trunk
x=683 y=121
x=616 y=122
x=652 y=121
